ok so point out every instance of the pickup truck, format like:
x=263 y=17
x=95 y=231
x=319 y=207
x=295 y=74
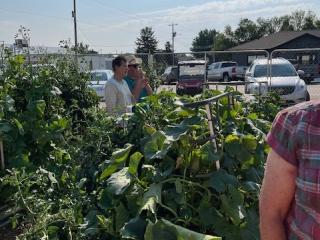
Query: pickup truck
x=225 y=71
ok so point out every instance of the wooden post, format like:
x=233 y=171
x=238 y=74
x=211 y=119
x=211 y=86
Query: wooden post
x=2 y=155
x=212 y=133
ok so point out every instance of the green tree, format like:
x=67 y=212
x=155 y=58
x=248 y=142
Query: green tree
x=84 y=49
x=297 y=19
x=286 y=23
x=147 y=42
x=204 y=41
x=222 y=42
x=267 y=26
x=309 y=22
x=247 y=31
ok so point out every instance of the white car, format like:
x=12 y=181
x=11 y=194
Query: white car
x=98 y=80
x=284 y=80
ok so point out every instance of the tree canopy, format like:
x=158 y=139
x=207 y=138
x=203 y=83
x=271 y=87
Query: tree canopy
x=204 y=41
x=248 y=30
x=147 y=42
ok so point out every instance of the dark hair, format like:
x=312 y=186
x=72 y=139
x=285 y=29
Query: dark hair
x=118 y=61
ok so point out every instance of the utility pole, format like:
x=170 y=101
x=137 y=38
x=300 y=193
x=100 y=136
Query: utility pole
x=173 y=34
x=74 y=15
x=2 y=55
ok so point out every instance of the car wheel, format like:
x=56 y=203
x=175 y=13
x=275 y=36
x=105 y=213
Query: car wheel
x=226 y=77
x=307 y=96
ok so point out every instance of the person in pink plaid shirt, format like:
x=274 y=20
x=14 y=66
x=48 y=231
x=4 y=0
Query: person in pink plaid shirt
x=290 y=193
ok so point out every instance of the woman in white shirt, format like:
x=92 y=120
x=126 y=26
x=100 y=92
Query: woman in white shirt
x=118 y=97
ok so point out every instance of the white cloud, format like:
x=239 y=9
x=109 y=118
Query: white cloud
x=120 y=35
x=191 y=20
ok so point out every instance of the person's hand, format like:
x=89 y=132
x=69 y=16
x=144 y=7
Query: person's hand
x=143 y=78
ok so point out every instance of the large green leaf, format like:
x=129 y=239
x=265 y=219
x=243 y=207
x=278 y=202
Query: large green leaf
x=106 y=224
x=119 y=181
x=122 y=216
x=134 y=162
x=134 y=229
x=121 y=155
x=38 y=107
x=5 y=127
x=251 y=230
x=249 y=142
x=165 y=230
x=19 y=126
x=174 y=132
x=232 y=144
x=134 y=199
x=117 y=159
x=157 y=147
x=9 y=104
x=151 y=198
x=220 y=179
x=91 y=223
x=105 y=199
x=232 y=204
x=207 y=214
x=208 y=154
x=180 y=112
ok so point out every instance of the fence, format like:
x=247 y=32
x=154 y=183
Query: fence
x=164 y=65
x=307 y=60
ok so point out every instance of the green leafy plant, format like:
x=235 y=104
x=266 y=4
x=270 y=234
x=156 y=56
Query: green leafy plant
x=76 y=173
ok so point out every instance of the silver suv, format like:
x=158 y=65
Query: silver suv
x=284 y=80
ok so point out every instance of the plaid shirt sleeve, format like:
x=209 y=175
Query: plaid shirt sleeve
x=282 y=138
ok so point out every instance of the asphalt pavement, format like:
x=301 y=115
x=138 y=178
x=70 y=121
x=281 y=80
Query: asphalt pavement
x=314 y=89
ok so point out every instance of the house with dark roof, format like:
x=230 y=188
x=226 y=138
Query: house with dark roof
x=303 y=59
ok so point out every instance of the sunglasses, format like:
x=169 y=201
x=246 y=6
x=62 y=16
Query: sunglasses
x=134 y=66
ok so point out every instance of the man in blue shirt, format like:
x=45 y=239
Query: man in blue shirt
x=136 y=79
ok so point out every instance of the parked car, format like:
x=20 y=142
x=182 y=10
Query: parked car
x=170 y=75
x=225 y=71
x=98 y=80
x=310 y=64
x=191 y=76
x=284 y=80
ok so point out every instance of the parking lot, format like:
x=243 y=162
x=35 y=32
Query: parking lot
x=314 y=89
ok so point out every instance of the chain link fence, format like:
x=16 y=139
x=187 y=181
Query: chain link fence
x=222 y=68
x=307 y=60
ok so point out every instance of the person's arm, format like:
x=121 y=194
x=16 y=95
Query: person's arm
x=110 y=98
x=136 y=91
x=141 y=82
x=276 y=196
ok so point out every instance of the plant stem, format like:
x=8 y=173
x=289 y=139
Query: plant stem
x=188 y=182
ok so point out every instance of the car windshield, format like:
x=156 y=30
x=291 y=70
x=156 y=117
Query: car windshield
x=99 y=76
x=277 y=70
x=191 y=71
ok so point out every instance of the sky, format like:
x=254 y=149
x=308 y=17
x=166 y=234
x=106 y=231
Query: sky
x=112 y=26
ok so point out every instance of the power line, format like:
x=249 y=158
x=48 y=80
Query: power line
x=35 y=13
x=119 y=10
x=48 y=16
